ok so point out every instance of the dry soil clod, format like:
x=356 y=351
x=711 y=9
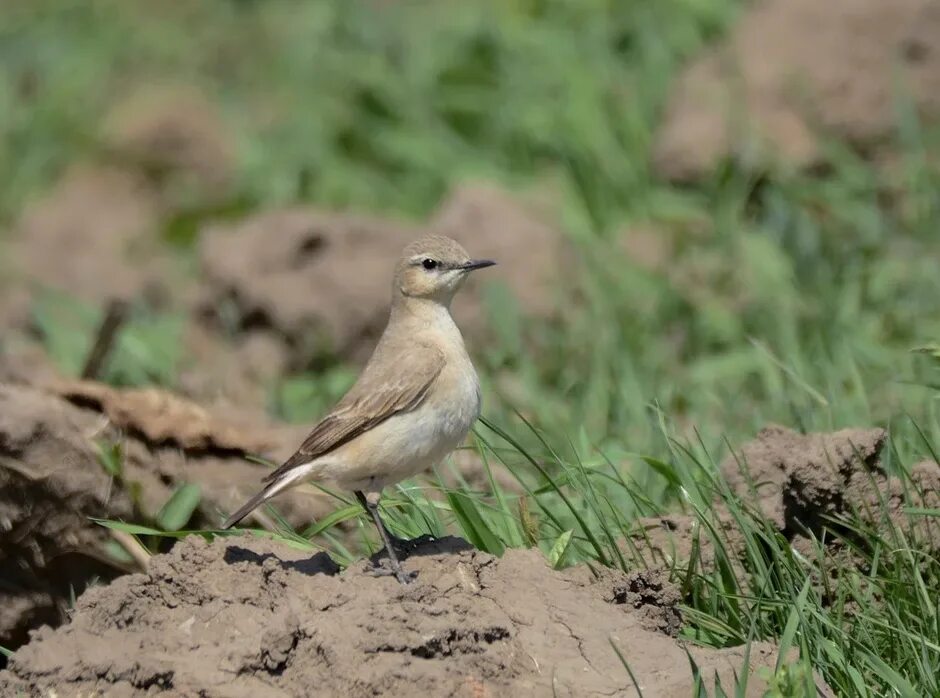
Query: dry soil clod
x=245 y=616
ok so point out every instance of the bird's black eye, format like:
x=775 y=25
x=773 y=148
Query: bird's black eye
x=429 y=263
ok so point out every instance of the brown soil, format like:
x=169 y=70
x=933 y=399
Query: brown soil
x=321 y=281
x=797 y=480
x=52 y=480
x=23 y=361
x=245 y=616
x=161 y=418
x=667 y=542
x=51 y=435
x=237 y=371
x=177 y=139
x=802 y=483
x=97 y=234
x=92 y=236
x=318 y=281
x=650 y=594
x=800 y=68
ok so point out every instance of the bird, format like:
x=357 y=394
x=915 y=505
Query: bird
x=413 y=403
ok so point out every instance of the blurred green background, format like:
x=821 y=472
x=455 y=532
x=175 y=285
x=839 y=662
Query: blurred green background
x=776 y=294
x=688 y=311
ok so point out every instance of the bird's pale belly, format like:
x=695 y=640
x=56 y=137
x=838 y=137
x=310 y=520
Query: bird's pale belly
x=406 y=444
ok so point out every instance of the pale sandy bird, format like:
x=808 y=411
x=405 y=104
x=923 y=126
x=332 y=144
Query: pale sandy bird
x=414 y=402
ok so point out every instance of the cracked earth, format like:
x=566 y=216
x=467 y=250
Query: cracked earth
x=255 y=617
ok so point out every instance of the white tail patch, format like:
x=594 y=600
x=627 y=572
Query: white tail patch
x=292 y=477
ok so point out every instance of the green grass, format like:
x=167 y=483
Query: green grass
x=872 y=628
x=788 y=297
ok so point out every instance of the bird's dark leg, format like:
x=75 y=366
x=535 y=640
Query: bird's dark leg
x=391 y=542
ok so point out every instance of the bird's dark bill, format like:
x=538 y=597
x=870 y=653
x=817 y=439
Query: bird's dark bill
x=477 y=264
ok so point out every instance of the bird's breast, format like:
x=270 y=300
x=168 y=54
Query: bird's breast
x=455 y=400
x=412 y=441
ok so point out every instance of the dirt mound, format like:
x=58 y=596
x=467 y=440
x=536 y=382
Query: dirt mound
x=23 y=361
x=231 y=371
x=175 y=136
x=884 y=500
x=93 y=236
x=667 y=541
x=321 y=280
x=800 y=67
x=98 y=234
x=650 y=593
x=801 y=483
x=50 y=483
x=491 y=224
x=161 y=418
x=801 y=479
x=53 y=477
x=807 y=482
x=246 y=616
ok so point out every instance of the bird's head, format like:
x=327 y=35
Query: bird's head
x=433 y=268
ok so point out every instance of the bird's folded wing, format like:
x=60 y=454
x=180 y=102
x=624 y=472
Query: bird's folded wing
x=375 y=397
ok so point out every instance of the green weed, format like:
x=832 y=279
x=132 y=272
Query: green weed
x=782 y=297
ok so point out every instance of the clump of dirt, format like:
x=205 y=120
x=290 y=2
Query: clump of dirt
x=177 y=440
x=802 y=484
x=793 y=68
x=884 y=500
x=92 y=236
x=231 y=371
x=311 y=278
x=321 y=281
x=98 y=235
x=14 y=297
x=50 y=483
x=23 y=361
x=800 y=480
x=53 y=479
x=651 y=248
x=654 y=598
x=245 y=616
x=669 y=541
x=175 y=137
x=162 y=418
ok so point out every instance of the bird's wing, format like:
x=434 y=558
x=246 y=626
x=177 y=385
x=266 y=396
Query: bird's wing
x=370 y=402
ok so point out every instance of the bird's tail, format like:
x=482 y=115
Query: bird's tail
x=246 y=508
x=264 y=495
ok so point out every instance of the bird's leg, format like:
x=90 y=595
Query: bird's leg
x=391 y=542
x=372 y=508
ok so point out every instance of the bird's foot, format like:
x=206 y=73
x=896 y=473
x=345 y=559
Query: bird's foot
x=380 y=570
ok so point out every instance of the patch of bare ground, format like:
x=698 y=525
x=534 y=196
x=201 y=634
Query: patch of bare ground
x=669 y=541
x=799 y=480
x=175 y=137
x=321 y=281
x=318 y=281
x=792 y=70
x=93 y=236
x=810 y=487
x=52 y=479
x=244 y=616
